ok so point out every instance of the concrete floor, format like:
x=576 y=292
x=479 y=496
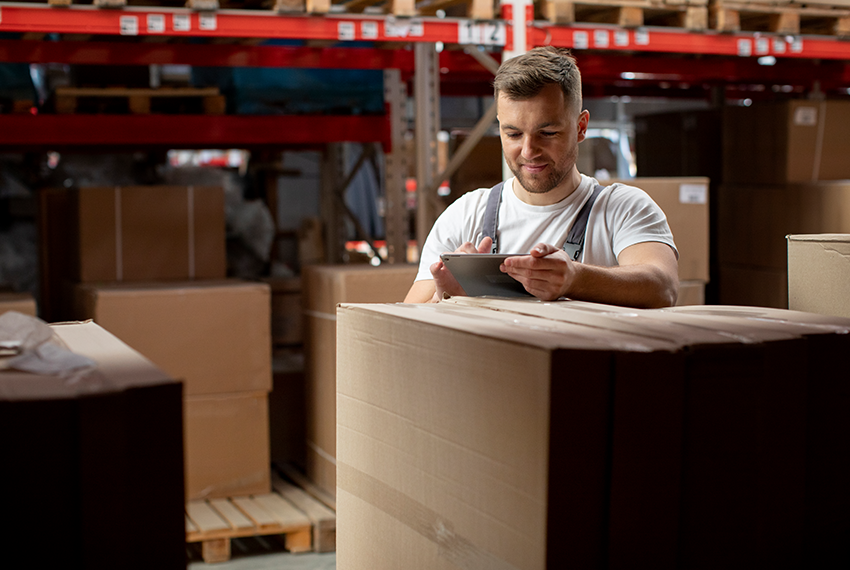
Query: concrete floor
x=263 y=553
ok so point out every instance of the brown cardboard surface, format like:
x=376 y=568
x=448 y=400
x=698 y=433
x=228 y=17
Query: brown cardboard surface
x=704 y=411
x=691 y=293
x=755 y=286
x=139 y=233
x=227 y=445
x=685 y=202
x=819 y=273
x=215 y=335
x=20 y=302
x=104 y=447
x=323 y=287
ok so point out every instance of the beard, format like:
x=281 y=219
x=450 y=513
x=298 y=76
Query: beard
x=540 y=184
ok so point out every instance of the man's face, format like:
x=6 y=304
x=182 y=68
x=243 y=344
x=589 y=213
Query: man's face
x=540 y=138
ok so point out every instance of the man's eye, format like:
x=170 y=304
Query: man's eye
x=548 y=133
x=513 y=135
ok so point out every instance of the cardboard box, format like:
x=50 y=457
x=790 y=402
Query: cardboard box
x=325 y=286
x=753 y=286
x=213 y=335
x=227 y=445
x=691 y=293
x=685 y=202
x=788 y=141
x=819 y=273
x=21 y=302
x=136 y=233
x=287 y=328
x=522 y=434
x=101 y=457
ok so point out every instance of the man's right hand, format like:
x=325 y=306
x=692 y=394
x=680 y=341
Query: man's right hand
x=446 y=284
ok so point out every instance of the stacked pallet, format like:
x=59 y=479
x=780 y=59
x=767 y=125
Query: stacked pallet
x=787 y=17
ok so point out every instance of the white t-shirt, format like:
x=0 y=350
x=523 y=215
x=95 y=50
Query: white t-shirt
x=621 y=216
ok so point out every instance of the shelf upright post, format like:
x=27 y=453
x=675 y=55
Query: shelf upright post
x=427 y=100
x=396 y=169
x=520 y=14
x=332 y=217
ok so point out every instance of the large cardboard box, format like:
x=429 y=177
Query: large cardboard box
x=819 y=273
x=685 y=202
x=213 y=335
x=691 y=293
x=227 y=445
x=324 y=287
x=23 y=303
x=521 y=434
x=789 y=141
x=94 y=459
x=136 y=233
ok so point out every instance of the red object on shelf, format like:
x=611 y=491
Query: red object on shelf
x=187 y=131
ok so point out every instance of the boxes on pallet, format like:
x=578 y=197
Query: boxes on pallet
x=23 y=303
x=214 y=335
x=325 y=286
x=819 y=273
x=99 y=454
x=684 y=201
x=227 y=445
x=691 y=293
x=789 y=141
x=522 y=434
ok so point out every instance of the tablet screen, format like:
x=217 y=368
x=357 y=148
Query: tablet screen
x=479 y=274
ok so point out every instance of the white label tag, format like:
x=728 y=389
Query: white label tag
x=1 y=14
x=207 y=22
x=778 y=46
x=181 y=23
x=806 y=116
x=797 y=45
x=345 y=31
x=482 y=34
x=156 y=23
x=129 y=25
x=621 y=38
x=762 y=46
x=581 y=40
x=369 y=30
x=745 y=47
x=693 y=193
x=641 y=37
x=601 y=39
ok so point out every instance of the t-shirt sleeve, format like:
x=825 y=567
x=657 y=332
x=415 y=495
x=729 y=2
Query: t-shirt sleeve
x=638 y=219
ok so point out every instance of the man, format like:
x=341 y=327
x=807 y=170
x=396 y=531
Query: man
x=628 y=257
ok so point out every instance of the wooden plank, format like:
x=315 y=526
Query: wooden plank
x=283 y=512
x=322 y=518
x=204 y=517
x=261 y=517
x=137 y=92
x=302 y=481
x=190 y=526
x=217 y=550
x=231 y=514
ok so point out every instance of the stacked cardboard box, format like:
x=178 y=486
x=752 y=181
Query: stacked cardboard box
x=21 y=302
x=215 y=336
x=93 y=462
x=685 y=202
x=521 y=434
x=136 y=233
x=324 y=287
x=819 y=273
x=753 y=251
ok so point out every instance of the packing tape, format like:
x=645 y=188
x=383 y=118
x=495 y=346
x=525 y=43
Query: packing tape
x=819 y=141
x=319 y=315
x=190 y=197
x=321 y=452
x=119 y=238
x=419 y=518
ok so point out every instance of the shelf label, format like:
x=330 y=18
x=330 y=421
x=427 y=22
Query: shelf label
x=181 y=23
x=207 y=22
x=345 y=31
x=762 y=46
x=778 y=46
x=129 y=25
x=693 y=194
x=369 y=30
x=1 y=14
x=745 y=47
x=581 y=40
x=806 y=116
x=797 y=45
x=642 y=37
x=601 y=39
x=482 y=34
x=621 y=38
x=156 y=24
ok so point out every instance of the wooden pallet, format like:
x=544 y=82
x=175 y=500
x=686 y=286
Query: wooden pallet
x=322 y=518
x=627 y=13
x=785 y=19
x=138 y=101
x=214 y=522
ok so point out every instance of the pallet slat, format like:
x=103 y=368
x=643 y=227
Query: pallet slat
x=322 y=518
x=204 y=517
x=283 y=512
x=255 y=511
x=231 y=514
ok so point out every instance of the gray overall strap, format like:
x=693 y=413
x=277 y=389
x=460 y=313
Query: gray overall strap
x=491 y=214
x=575 y=239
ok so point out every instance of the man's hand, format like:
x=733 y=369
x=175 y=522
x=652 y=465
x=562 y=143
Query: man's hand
x=445 y=283
x=547 y=273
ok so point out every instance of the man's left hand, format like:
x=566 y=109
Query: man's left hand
x=547 y=273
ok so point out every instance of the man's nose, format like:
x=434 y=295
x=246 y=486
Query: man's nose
x=530 y=149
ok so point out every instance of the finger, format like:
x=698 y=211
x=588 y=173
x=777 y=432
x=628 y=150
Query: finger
x=543 y=249
x=485 y=245
x=467 y=247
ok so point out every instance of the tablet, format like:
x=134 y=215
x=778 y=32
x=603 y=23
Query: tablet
x=479 y=275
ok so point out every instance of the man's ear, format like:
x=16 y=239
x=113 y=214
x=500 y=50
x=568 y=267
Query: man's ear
x=583 y=119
